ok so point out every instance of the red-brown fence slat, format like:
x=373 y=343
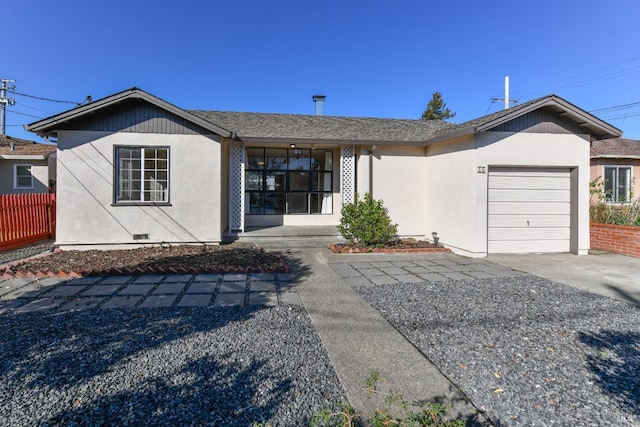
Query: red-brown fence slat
x=26 y=218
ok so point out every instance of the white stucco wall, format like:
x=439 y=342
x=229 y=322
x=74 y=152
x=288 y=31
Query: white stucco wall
x=451 y=193
x=457 y=193
x=85 y=172
x=399 y=175
x=544 y=150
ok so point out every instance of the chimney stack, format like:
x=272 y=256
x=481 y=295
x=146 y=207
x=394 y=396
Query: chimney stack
x=318 y=100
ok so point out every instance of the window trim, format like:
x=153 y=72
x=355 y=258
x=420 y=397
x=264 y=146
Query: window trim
x=116 y=178
x=15 y=177
x=264 y=171
x=616 y=199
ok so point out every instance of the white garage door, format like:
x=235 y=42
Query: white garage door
x=529 y=210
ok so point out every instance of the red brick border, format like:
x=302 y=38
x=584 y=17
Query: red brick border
x=620 y=239
x=347 y=249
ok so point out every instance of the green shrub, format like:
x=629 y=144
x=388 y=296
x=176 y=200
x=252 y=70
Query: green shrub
x=366 y=222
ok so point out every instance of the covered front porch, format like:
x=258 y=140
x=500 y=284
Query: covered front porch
x=287 y=236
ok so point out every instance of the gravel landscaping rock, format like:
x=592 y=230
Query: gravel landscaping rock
x=154 y=260
x=525 y=350
x=196 y=366
x=27 y=251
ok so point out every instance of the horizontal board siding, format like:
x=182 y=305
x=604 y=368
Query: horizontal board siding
x=529 y=210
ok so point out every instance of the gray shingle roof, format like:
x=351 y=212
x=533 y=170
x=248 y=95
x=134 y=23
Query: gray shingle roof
x=616 y=148
x=336 y=128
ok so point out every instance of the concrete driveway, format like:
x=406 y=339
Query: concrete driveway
x=612 y=275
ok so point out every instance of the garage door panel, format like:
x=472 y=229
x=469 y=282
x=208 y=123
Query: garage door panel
x=510 y=221
x=529 y=233
x=529 y=196
x=530 y=172
x=529 y=210
x=516 y=208
x=534 y=246
x=529 y=183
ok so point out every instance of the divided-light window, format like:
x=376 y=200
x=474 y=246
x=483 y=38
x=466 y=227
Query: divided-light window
x=288 y=181
x=22 y=177
x=617 y=183
x=142 y=175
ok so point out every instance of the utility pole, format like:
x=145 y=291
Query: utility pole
x=4 y=101
x=507 y=101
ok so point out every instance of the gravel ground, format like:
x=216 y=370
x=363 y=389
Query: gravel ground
x=526 y=350
x=222 y=367
x=13 y=255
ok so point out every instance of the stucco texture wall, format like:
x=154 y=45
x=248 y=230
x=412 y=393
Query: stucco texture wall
x=457 y=194
x=397 y=176
x=39 y=171
x=85 y=172
x=451 y=194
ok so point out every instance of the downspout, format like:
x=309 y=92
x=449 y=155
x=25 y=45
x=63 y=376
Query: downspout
x=371 y=150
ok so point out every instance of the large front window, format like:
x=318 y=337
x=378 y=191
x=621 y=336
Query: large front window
x=288 y=181
x=617 y=183
x=142 y=174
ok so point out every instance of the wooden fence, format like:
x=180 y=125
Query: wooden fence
x=26 y=218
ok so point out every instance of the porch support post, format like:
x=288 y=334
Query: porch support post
x=236 y=187
x=347 y=173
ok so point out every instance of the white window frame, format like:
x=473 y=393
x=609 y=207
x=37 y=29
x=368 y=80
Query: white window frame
x=615 y=197
x=142 y=191
x=16 y=186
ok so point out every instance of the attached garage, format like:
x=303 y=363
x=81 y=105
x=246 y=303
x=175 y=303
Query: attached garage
x=529 y=210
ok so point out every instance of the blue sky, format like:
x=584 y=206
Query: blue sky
x=373 y=58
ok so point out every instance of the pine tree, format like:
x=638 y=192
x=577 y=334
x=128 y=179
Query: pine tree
x=437 y=109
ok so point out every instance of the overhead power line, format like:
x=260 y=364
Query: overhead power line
x=616 y=107
x=45 y=99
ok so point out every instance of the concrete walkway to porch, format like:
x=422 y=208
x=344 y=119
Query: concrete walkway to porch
x=359 y=340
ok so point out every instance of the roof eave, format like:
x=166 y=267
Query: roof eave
x=275 y=140
x=591 y=123
x=24 y=156
x=617 y=156
x=48 y=126
x=449 y=136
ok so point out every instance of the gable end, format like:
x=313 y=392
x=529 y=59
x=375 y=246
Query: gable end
x=136 y=117
x=542 y=120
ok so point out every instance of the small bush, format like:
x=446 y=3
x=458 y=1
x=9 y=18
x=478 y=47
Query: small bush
x=366 y=222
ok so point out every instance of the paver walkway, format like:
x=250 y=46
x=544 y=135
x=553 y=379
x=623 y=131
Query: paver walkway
x=188 y=290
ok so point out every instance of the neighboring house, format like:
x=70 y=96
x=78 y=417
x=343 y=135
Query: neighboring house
x=616 y=162
x=135 y=169
x=26 y=166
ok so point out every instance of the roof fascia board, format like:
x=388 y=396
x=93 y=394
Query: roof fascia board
x=449 y=136
x=617 y=156
x=23 y=157
x=48 y=125
x=253 y=139
x=569 y=110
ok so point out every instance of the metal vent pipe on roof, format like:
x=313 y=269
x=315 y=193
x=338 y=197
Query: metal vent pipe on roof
x=318 y=100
